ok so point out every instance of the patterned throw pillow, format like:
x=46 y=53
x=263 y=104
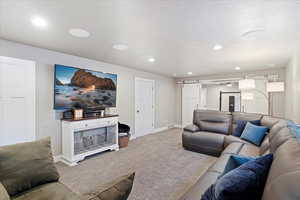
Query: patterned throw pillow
x=119 y=189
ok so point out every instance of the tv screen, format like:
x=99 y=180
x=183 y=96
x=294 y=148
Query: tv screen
x=75 y=87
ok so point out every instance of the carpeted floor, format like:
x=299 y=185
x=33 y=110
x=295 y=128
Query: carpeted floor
x=164 y=170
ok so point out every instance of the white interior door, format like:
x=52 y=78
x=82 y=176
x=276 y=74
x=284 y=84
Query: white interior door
x=190 y=102
x=144 y=106
x=17 y=101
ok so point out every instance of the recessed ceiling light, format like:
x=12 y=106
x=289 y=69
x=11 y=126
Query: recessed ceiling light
x=151 y=60
x=39 y=22
x=78 y=32
x=120 y=47
x=237 y=68
x=229 y=85
x=190 y=73
x=218 y=47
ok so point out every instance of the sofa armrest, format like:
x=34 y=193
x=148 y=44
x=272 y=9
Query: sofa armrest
x=203 y=142
x=191 y=128
x=3 y=193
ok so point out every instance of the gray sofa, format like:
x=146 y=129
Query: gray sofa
x=210 y=134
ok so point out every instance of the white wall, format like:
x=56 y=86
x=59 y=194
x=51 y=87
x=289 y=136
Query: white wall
x=213 y=95
x=48 y=120
x=278 y=98
x=292 y=104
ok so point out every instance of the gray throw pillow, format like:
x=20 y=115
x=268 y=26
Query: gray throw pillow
x=119 y=189
x=26 y=165
x=3 y=193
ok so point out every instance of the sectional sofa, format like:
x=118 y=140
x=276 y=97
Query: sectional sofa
x=210 y=134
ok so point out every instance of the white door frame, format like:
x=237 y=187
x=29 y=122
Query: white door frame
x=135 y=103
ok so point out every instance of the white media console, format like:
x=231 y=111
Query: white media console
x=85 y=137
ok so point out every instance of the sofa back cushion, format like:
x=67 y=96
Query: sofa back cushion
x=279 y=138
x=26 y=165
x=213 y=121
x=269 y=121
x=284 y=175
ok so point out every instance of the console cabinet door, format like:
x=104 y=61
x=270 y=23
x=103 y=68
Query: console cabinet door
x=17 y=101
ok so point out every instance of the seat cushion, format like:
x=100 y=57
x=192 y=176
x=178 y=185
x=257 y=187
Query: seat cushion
x=220 y=164
x=195 y=192
x=118 y=189
x=233 y=148
x=232 y=139
x=50 y=191
x=249 y=150
x=26 y=165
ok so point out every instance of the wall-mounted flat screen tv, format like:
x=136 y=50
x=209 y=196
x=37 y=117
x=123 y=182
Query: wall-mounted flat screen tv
x=86 y=89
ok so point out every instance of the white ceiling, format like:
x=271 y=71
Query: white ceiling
x=179 y=34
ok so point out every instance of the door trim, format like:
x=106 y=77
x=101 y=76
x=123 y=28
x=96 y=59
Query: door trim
x=136 y=79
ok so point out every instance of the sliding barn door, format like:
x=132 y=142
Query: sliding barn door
x=17 y=101
x=191 y=99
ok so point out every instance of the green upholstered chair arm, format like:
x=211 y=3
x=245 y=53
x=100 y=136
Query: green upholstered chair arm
x=3 y=193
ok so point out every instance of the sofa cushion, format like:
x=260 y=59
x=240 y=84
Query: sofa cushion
x=245 y=116
x=50 y=191
x=213 y=121
x=26 y=165
x=241 y=124
x=233 y=148
x=269 y=121
x=254 y=134
x=277 y=127
x=3 y=193
x=284 y=175
x=118 y=189
x=282 y=136
x=245 y=182
x=249 y=150
x=265 y=146
x=204 y=182
x=203 y=142
x=232 y=139
x=191 y=128
x=220 y=164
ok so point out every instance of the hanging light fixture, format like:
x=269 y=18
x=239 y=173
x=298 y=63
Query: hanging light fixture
x=275 y=87
x=247 y=96
x=247 y=84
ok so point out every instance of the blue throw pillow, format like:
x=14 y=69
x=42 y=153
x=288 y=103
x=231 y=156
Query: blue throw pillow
x=240 y=126
x=254 y=134
x=235 y=161
x=245 y=182
x=295 y=129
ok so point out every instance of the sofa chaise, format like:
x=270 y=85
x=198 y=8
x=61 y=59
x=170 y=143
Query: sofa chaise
x=210 y=134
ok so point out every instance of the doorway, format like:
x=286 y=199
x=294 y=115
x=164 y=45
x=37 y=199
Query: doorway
x=230 y=101
x=144 y=106
x=17 y=100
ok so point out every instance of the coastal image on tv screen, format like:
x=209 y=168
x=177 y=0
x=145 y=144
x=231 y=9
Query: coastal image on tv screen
x=82 y=88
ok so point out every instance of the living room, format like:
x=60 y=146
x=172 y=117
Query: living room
x=165 y=83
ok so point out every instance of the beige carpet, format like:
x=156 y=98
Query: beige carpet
x=164 y=170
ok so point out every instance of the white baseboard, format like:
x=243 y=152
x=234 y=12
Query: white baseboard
x=178 y=126
x=57 y=158
x=160 y=129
